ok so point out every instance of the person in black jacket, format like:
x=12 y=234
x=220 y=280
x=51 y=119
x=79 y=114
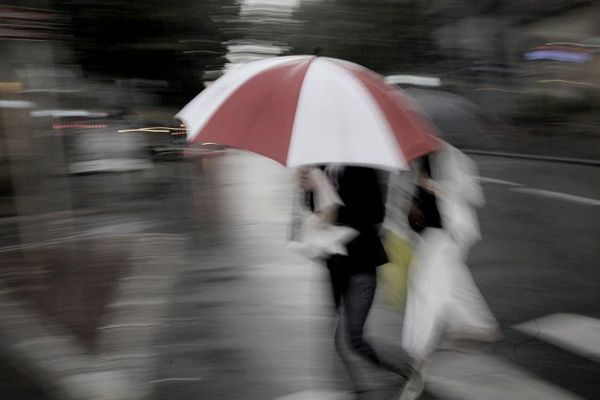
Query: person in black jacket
x=353 y=276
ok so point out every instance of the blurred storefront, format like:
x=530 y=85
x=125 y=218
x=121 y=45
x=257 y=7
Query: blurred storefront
x=34 y=45
x=522 y=59
x=561 y=58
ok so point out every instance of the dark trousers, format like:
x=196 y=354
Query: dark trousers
x=353 y=294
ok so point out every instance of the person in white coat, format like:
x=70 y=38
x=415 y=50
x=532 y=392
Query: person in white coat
x=442 y=297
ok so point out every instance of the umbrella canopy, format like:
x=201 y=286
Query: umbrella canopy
x=453 y=115
x=304 y=110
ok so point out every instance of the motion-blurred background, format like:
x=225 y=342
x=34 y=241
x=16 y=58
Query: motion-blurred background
x=133 y=265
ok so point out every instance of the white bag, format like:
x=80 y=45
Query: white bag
x=442 y=297
x=319 y=240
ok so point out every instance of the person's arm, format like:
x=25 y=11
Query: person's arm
x=432 y=186
x=456 y=176
x=326 y=201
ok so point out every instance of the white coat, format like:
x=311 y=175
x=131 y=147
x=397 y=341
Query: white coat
x=442 y=297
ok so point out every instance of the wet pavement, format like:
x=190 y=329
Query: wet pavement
x=18 y=385
x=248 y=319
x=253 y=321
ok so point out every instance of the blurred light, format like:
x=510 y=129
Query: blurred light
x=255 y=49
x=566 y=82
x=239 y=54
x=108 y=165
x=67 y=113
x=156 y=129
x=413 y=80
x=49 y=90
x=79 y=126
x=195 y=151
x=573 y=44
x=16 y=104
x=493 y=89
x=261 y=14
x=11 y=87
x=558 y=55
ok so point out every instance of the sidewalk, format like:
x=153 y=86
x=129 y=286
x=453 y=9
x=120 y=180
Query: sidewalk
x=83 y=301
x=81 y=319
x=80 y=306
x=196 y=296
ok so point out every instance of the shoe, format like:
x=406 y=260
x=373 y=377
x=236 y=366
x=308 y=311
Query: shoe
x=414 y=386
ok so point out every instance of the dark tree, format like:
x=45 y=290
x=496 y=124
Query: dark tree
x=174 y=41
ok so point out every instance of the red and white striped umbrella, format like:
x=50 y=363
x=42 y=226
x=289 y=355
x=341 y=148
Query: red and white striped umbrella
x=304 y=110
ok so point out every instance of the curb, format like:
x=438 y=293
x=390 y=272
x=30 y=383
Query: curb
x=533 y=157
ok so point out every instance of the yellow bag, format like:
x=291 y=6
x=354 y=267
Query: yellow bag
x=393 y=276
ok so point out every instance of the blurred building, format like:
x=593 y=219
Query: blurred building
x=262 y=30
x=561 y=56
x=36 y=71
x=509 y=55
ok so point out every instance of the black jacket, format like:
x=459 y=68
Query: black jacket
x=361 y=191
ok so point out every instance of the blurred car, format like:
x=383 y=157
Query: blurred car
x=459 y=120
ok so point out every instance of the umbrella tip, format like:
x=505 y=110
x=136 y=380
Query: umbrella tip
x=317 y=51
